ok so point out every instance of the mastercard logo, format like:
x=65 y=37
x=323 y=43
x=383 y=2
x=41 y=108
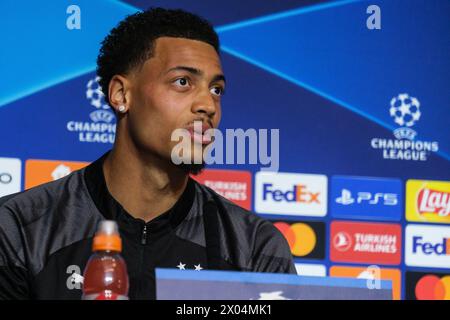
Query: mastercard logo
x=432 y=287
x=301 y=237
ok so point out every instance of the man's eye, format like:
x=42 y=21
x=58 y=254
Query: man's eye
x=218 y=91
x=182 y=82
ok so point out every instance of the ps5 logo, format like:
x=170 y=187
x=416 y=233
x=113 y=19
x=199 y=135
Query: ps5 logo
x=387 y=199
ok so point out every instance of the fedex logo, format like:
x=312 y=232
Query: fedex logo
x=440 y=248
x=427 y=246
x=291 y=194
x=366 y=198
x=299 y=193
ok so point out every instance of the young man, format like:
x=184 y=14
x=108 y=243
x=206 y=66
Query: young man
x=160 y=71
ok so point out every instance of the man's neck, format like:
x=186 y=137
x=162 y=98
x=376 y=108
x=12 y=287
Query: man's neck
x=145 y=187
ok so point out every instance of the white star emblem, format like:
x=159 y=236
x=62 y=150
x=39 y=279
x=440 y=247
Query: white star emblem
x=198 y=268
x=181 y=266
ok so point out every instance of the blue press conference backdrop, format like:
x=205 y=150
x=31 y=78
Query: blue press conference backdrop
x=349 y=101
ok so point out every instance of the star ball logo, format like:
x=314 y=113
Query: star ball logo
x=427 y=286
x=102 y=127
x=306 y=239
x=406 y=112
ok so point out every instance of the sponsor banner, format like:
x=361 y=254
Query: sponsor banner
x=371 y=273
x=427 y=286
x=305 y=238
x=428 y=201
x=291 y=194
x=371 y=243
x=234 y=185
x=427 y=246
x=41 y=171
x=10 y=176
x=311 y=270
x=366 y=198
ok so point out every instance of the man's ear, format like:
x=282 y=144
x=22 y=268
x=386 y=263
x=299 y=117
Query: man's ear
x=118 y=92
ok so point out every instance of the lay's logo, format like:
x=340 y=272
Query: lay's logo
x=291 y=194
x=428 y=201
x=434 y=202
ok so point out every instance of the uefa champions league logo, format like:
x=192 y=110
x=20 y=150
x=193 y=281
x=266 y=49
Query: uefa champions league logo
x=97 y=99
x=101 y=128
x=95 y=94
x=406 y=112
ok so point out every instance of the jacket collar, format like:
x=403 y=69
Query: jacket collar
x=111 y=209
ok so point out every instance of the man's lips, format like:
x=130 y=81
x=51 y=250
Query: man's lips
x=199 y=134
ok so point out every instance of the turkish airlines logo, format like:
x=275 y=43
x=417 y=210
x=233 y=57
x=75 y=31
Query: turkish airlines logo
x=291 y=194
x=342 y=241
x=234 y=185
x=365 y=242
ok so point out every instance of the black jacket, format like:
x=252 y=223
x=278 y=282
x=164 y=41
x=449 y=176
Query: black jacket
x=46 y=236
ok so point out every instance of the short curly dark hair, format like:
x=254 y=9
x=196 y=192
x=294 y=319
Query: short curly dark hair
x=131 y=42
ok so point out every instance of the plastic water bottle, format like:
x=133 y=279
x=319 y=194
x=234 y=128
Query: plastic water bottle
x=105 y=276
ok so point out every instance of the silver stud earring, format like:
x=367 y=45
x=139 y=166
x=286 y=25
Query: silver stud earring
x=122 y=108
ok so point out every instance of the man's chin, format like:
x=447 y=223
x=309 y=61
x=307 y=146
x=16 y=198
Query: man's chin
x=192 y=168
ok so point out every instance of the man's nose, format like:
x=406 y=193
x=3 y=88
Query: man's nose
x=204 y=103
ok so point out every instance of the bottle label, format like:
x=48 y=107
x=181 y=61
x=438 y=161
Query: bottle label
x=106 y=295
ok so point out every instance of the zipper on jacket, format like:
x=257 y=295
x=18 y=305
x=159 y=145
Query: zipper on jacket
x=144 y=235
